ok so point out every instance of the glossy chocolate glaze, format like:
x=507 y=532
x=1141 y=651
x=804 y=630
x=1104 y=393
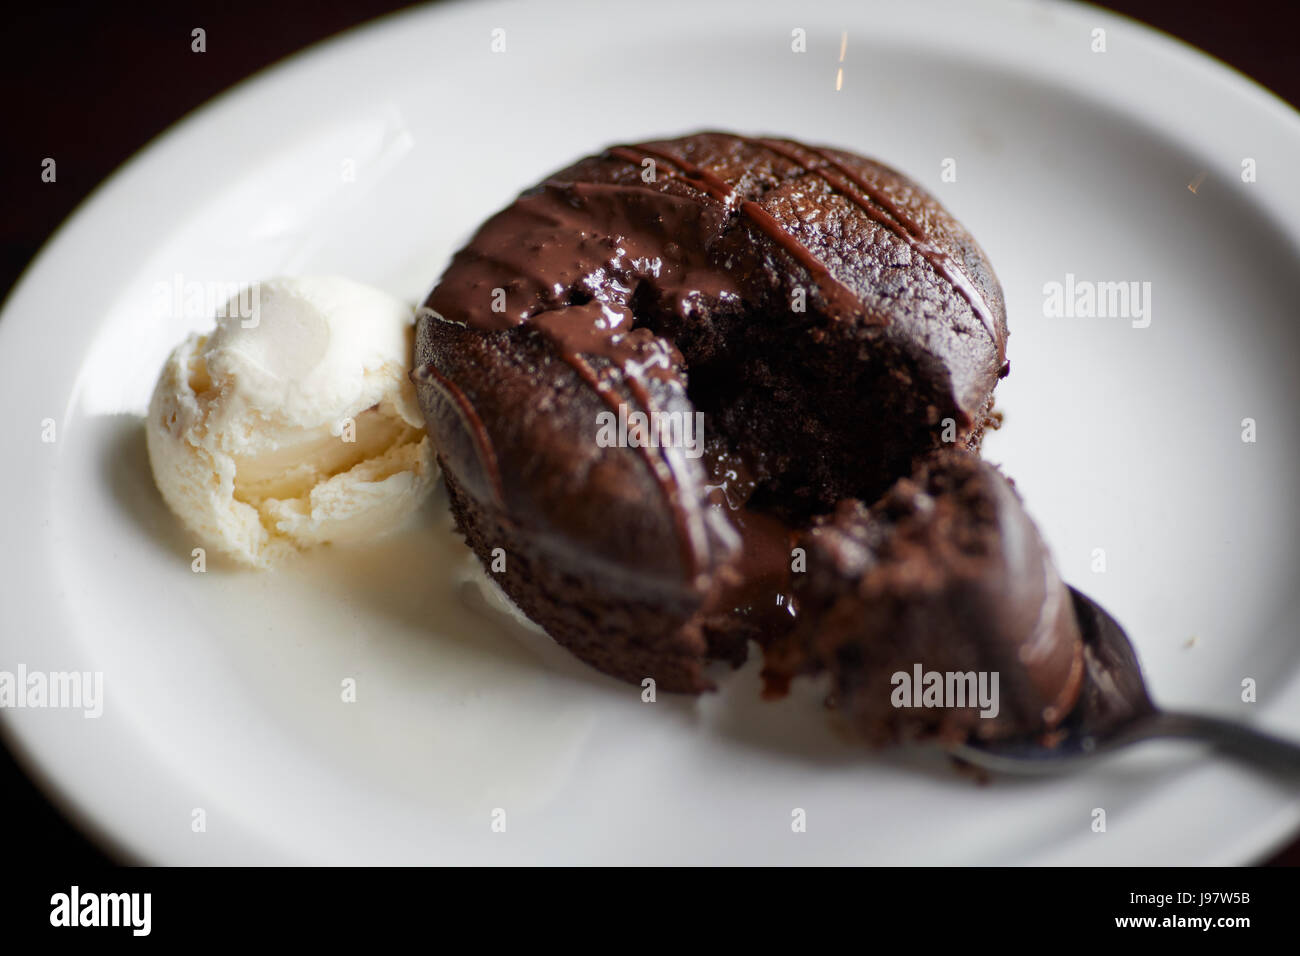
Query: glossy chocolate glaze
x=873 y=200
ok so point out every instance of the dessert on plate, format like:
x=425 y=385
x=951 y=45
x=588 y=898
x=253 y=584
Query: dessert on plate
x=687 y=396
x=830 y=320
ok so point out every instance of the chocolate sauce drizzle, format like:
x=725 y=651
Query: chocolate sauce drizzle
x=845 y=181
x=872 y=201
x=469 y=417
x=592 y=329
x=711 y=184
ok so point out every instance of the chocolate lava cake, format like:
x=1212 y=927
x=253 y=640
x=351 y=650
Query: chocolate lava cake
x=829 y=319
x=945 y=574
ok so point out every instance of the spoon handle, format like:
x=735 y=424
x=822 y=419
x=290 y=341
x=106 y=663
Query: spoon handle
x=1235 y=739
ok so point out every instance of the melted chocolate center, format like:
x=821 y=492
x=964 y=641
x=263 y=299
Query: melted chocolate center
x=571 y=258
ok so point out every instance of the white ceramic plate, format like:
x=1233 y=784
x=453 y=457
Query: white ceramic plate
x=222 y=689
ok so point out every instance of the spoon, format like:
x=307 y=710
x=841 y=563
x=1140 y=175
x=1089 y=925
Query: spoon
x=1115 y=710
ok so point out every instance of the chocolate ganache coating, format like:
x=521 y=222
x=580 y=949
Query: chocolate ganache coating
x=945 y=574
x=826 y=317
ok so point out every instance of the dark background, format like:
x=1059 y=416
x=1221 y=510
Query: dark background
x=93 y=83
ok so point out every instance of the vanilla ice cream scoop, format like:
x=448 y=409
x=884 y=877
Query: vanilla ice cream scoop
x=293 y=423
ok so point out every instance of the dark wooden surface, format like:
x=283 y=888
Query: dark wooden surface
x=92 y=83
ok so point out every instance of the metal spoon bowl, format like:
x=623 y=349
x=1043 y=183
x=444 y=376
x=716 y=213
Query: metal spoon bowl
x=1115 y=710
